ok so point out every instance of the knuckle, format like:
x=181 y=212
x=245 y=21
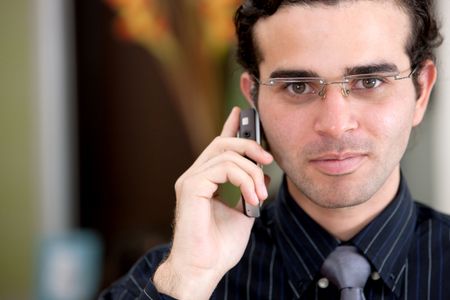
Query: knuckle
x=182 y=182
x=178 y=183
x=229 y=165
x=186 y=182
x=230 y=155
x=257 y=172
x=184 y=187
x=216 y=140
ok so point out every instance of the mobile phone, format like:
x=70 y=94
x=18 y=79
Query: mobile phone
x=249 y=128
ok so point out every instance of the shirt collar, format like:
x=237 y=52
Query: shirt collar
x=304 y=244
x=386 y=240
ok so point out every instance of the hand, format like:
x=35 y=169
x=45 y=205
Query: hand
x=210 y=237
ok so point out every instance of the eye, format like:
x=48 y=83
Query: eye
x=368 y=83
x=299 y=88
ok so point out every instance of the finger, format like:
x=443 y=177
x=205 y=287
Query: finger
x=239 y=205
x=220 y=173
x=244 y=147
x=254 y=171
x=231 y=126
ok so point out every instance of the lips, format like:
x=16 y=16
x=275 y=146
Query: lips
x=338 y=164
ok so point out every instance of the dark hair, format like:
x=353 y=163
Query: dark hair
x=424 y=36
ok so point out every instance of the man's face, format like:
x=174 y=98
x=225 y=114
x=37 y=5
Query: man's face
x=338 y=151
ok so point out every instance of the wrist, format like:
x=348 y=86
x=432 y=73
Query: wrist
x=184 y=284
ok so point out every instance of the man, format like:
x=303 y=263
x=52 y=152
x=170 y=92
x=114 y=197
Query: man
x=339 y=141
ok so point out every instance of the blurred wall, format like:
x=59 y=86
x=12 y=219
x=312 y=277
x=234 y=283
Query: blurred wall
x=17 y=161
x=441 y=121
x=426 y=163
x=132 y=144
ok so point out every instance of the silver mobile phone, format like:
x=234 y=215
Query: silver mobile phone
x=249 y=128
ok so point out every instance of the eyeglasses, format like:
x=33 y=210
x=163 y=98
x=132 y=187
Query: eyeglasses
x=372 y=86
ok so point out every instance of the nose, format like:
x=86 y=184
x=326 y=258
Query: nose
x=335 y=113
x=345 y=91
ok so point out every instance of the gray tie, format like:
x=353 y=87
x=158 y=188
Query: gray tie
x=348 y=270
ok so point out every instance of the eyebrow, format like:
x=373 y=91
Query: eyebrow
x=293 y=73
x=356 y=70
x=369 y=69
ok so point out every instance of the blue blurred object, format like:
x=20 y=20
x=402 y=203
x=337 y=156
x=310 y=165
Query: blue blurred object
x=69 y=266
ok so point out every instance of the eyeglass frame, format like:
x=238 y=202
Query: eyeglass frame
x=345 y=80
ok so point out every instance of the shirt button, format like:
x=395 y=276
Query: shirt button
x=323 y=283
x=375 y=276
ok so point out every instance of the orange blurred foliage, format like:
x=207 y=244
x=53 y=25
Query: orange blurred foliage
x=191 y=39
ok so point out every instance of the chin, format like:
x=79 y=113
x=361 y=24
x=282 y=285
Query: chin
x=336 y=192
x=338 y=203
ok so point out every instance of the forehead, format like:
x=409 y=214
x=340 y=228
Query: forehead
x=330 y=38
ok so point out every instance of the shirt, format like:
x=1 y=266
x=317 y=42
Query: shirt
x=407 y=245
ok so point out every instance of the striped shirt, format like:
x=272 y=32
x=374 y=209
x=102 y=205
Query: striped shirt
x=407 y=245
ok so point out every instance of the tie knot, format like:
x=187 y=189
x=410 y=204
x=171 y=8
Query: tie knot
x=346 y=268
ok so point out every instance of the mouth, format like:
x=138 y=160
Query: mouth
x=338 y=164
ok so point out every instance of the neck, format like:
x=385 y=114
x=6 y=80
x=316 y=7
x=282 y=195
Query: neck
x=355 y=217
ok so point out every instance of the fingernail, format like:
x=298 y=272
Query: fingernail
x=255 y=199
x=263 y=189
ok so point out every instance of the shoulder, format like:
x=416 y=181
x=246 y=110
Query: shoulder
x=156 y=254
x=426 y=214
x=147 y=264
x=432 y=226
x=139 y=275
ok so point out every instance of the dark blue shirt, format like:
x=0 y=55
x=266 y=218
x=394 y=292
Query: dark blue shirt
x=407 y=245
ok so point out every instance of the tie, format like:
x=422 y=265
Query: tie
x=348 y=270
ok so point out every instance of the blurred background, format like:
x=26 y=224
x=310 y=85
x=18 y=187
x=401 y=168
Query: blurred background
x=104 y=103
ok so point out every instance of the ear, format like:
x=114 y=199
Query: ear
x=247 y=86
x=426 y=80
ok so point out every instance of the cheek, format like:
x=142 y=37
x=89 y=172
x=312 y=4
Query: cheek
x=391 y=124
x=285 y=130
x=276 y=125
